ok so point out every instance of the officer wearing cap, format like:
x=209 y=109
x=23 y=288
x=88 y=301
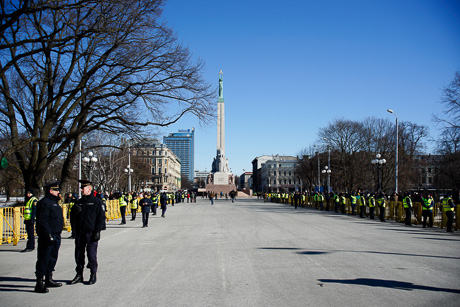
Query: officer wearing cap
x=29 y=220
x=88 y=217
x=49 y=227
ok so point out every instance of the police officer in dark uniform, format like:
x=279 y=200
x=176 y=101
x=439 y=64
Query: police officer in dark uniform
x=49 y=224
x=145 y=204
x=89 y=217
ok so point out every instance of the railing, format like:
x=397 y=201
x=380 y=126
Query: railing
x=12 y=227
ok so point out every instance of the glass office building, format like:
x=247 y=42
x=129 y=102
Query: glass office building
x=182 y=144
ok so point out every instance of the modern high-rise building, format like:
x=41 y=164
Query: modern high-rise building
x=182 y=144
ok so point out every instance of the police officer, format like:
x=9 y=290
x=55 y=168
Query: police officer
x=49 y=227
x=29 y=221
x=371 y=202
x=448 y=207
x=427 y=211
x=134 y=202
x=407 y=203
x=163 y=203
x=145 y=204
x=89 y=216
x=381 y=203
x=122 y=202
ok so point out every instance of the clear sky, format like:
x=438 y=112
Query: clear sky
x=291 y=67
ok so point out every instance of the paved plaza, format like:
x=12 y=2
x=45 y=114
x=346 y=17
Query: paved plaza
x=249 y=253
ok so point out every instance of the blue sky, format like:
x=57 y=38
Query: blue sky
x=291 y=67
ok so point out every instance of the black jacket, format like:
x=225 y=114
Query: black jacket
x=49 y=219
x=87 y=215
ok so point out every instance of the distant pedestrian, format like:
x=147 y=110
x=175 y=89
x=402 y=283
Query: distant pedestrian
x=427 y=211
x=163 y=203
x=29 y=220
x=448 y=207
x=407 y=203
x=49 y=227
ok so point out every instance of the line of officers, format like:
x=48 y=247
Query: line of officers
x=370 y=200
x=133 y=199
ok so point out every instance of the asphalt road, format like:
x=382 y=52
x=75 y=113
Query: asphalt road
x=249 y=253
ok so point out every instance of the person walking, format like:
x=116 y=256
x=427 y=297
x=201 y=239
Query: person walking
x=427 y=211
x=407 y=203
x=29 y=220
x=89 y=216
x=163 y=204
x=145 y=204
x=50 y=222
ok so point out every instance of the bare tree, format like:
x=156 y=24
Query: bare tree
x=449 y=142
x=71 y=67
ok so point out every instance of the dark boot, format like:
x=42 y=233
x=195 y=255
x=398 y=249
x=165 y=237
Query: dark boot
x=40 y=286
x=92 y=279
x=77 y=279
x=50 y=283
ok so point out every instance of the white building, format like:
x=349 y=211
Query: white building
x=279 y=175
x=165 y=166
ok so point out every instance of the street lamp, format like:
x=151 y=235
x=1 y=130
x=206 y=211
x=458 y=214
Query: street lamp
x=128 y=170
x=319 y=172
x=328 y=164
x=396 y=150
x=379 y=163
x=90 y=160
x=327 y=171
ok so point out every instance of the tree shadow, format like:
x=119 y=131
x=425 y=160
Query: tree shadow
x=392 y=284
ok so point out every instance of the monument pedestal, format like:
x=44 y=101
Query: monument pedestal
x=221 y=182
x=217 y=188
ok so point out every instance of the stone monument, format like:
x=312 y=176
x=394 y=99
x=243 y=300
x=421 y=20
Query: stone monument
x=220 y=179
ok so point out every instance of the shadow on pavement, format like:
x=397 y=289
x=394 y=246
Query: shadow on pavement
x=322 y=252
x=10 y=287
x=393 y=284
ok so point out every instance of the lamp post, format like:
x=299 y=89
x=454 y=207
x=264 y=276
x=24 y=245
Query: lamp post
x=319 y=172
x=396 y=150
x=90 y=160
x=128 y=170
x=328 y=164
x=327 y=171
x=379 y=163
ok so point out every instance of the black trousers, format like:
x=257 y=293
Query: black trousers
x=382 y=214
x=83 y=243
x=408 y=220
x=30 y=229
x=47 y=255
x=133 y=213
x=450 y=220
x=371 y=212
x=145 y=217
x=427 y=215
x=123 y=213
x=361 y=210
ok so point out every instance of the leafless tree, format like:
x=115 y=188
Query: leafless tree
x=70 y=67
x=449 y=142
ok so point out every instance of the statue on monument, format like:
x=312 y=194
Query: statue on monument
x=221 y=85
